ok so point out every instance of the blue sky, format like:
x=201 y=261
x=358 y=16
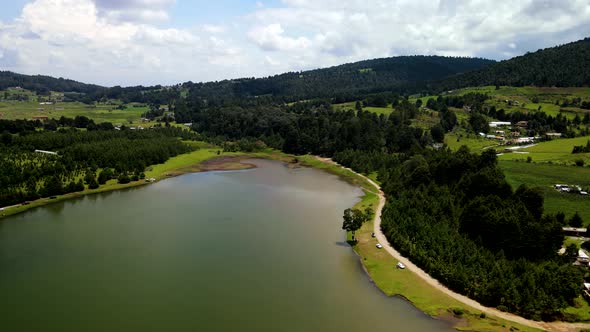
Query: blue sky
x=131 y=42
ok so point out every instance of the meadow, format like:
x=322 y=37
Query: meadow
x=99 y=112
x=558 y=151
x=377 y=110
x=545 y=176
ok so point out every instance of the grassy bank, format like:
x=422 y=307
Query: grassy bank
x=174 y=166
x=381 y=267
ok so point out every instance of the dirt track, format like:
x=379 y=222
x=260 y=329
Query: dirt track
x=550 y=326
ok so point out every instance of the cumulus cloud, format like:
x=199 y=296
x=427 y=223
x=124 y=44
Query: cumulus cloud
x=71 y=38
x=135 y=10
x=271 y=38
x=135 y=41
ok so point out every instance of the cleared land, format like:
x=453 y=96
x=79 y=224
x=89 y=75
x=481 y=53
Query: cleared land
x=547 y=175
x=558 y=151
x=377 y=110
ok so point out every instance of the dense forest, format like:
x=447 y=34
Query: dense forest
x=347 y=82
x=401 y=74
x=84 y=159
x=454 y=215
x=562 y=66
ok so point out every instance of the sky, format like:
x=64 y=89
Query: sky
x=147 y=42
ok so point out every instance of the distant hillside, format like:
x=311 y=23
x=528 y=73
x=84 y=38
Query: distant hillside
x=43 y=84
x=565 y=65
x=387 y=74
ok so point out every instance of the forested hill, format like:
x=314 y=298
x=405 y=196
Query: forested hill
x=377 y=75
x=562 y=66
x=43 y=84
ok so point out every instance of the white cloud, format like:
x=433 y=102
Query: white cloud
x=134 y=41
x=271 y=38
x=134 y=10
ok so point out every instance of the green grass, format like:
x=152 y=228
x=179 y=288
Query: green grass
x=547 y=175
x=474 y=142
x=350 y=106
x=395 y=282
x=580 y=309
x=12 y=110
x=558 y=151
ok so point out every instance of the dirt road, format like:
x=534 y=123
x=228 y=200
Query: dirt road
x=551 y=326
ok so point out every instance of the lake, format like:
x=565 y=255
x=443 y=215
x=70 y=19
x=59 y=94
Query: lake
x=253 y=250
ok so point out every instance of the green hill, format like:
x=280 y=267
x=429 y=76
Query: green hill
x=564 y=65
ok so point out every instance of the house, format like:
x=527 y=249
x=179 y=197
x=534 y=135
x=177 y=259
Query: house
x=40 y=117
x=495 y=124
x=522 y=124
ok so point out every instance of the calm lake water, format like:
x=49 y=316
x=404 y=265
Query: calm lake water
x=255 y=250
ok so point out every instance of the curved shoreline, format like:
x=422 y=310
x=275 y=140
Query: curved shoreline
x=550 y=326
x=214 y=161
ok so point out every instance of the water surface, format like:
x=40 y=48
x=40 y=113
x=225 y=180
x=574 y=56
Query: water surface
x=255 y=250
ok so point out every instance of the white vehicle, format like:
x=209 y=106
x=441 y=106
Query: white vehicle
x=400 y=265
x=583 y=193
x=379 y=246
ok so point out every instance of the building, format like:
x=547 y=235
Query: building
x=40 y=117
x=522 y=124
x=573 y=231
x=495 y=124
x=553 y=134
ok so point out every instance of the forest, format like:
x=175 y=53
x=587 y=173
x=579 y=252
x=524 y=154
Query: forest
x=452 y=213
x=562 y=66
x=84 y=159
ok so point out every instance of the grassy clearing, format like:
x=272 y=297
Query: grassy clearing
x=475 y=143
x=545 y=176
x=377 y=110
x=580 y=309
x=557 y=151
x=12 y=110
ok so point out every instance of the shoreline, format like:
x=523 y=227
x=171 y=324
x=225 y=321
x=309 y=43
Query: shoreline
x=462 y=312
x=493 y=319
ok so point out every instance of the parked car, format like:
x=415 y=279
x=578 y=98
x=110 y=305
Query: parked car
x=400 y=265
x=379 y=246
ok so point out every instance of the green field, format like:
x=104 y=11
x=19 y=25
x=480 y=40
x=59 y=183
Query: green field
x=12 y=110
x=474 y=142
x=558 y=151
x=547 y=175
x=350 y=106
x=99 y=112
x=546 y=96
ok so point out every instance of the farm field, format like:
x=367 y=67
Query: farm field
x=350 y=106
x=474 y=142
x=557 y=151
x=12 y=110
x=545 y=98
x=547 y=175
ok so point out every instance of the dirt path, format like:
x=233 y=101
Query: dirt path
x=550 y=326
